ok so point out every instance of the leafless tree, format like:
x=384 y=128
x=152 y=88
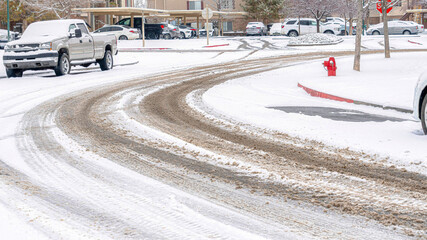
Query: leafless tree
x=362 y=9
x=60 y=8
x=386 y=4
x=314 y=8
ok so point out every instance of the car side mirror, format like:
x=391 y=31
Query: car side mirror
x=78 y=33
x=75 y=33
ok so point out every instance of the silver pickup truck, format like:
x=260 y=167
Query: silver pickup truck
x=58 y=45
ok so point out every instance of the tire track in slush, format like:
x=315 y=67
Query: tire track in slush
x=82 y=119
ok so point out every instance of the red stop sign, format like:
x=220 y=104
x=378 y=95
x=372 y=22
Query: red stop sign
x=380 y=9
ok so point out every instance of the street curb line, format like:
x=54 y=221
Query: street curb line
x=414 y=42
x=316 y=93
x=221 y=45
x=141 y=49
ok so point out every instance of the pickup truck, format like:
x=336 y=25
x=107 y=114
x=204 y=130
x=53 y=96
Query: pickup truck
x=58 y=45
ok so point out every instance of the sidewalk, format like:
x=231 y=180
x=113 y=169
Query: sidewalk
x=386 y=83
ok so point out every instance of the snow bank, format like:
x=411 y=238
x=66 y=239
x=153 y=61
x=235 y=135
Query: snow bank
x=315 y=39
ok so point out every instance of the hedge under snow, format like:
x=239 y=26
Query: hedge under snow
x=315 y=39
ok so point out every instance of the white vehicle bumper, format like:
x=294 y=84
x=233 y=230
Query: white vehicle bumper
x=30 y=60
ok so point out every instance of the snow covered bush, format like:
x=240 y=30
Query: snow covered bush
x=315 y=39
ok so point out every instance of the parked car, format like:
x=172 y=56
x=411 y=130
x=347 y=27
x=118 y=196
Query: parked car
x=202 y=32
x=394 y=28
x=420 y=101
x=185 y=31
x=4 y=37
x=152 y=31
x=344 y=26
x=292 y=27
x=170 y=31
x=256 y=28
x=58 y=45
x=122 y=32
x=269 y=27
x=420 y=26
x=276 y=29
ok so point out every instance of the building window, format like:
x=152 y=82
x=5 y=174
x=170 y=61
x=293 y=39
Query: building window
x=226 y=4
x=194 y=5
x=227 y=26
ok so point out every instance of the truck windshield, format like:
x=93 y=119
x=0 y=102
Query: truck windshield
x=42 y=29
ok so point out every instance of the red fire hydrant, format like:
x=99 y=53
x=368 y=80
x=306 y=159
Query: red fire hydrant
x=330 y=66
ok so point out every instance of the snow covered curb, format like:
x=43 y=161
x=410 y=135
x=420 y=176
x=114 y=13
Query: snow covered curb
x=320 y=94
x=317 y=39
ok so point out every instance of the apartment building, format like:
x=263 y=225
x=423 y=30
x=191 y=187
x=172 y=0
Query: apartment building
x=228 y=24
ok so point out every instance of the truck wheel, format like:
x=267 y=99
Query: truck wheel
x=12 y=73
x=328 y=32
x=123 y=37
x=151 y=35
x=63 y=67
x=293 y=34
x=424 y=115
x=107 y=62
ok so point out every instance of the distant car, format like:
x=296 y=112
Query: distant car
x=335 y=19
x=256 y=28
x=152 y=31
x=269 y=27
x=171 y=31
x=276 y=29
x=420 y=26
x=394 y=28
x=185 y=31
x=344 y=26
x=420 y=101
x=3 y=37
x=202 y=32
x=122 y=32
x=296 y=27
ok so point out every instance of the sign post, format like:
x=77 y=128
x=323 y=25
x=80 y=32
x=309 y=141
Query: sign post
x=207 y=13
x=8 y=22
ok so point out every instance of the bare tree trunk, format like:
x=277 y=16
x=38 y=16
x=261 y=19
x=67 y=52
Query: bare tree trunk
x=318 y=25
x=385 y=27
x=359 y=30
x=350 y=27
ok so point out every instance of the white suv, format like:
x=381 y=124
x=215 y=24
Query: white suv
x=292 y=27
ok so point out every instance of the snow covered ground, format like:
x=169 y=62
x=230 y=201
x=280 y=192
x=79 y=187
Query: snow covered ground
x=388 y=82
x=246 y=99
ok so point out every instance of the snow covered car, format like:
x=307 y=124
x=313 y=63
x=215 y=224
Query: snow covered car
x=276 y=29
x=256 y=28
x=4 y=37
x=394 y=28
x=420 y=101
x=420 y=26
x=292 y=27
x=122 y=32
x=58 y=45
